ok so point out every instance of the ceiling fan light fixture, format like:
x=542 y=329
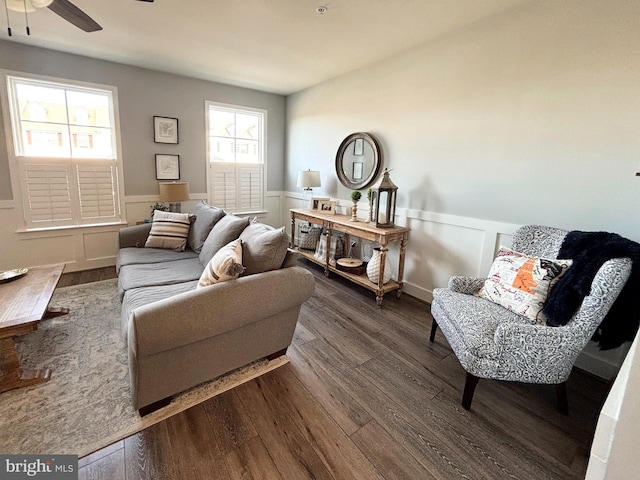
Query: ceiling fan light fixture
x=41 y=3
x=20 y=5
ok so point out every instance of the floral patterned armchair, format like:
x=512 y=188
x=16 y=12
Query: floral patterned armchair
x=493 y=342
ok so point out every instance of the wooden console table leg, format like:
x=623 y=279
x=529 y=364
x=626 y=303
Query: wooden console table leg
x=403 y=251
x=293 y=231
x=12 y=376
x=383 y=262
x=327 y=254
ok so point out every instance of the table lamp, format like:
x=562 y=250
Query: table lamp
x=308 y=179
x=174 y=193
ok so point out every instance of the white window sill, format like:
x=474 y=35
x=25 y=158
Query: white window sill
x=247 y=214
x=64 y=228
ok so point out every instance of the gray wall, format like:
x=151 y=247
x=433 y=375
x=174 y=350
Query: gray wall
x=142 y=94
x=531 y=116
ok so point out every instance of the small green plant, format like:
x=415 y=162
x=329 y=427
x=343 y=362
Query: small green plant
x=158 y=206
x=369 y=193
x=356 y=195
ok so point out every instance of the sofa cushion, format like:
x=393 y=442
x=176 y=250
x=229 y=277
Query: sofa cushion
x=263 y=247
x=138 y=297
x=521 y=283
x=206 y=217
x=136 y=256
x=228 y=228
x=225 y=265
x=153 y=274
x=169 y=230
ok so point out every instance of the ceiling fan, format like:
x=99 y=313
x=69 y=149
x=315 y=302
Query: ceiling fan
x=63 y=8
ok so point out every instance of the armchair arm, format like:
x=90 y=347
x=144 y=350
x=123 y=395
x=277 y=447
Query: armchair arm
x=133 y=236
x=468 y=285
x=537 y=353
x=206 y=312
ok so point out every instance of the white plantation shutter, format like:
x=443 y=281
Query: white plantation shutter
x=223 y=186
x=47 y=195
x=97 y=191
x=63 y=193
x=236 y=187
x=250 y=187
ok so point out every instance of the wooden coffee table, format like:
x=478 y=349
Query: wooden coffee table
x=24 y=303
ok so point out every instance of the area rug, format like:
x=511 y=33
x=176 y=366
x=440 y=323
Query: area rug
x=86 y=405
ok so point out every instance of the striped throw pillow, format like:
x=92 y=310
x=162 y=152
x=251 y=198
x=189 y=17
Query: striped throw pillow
x=225 y=265
x=169 y=230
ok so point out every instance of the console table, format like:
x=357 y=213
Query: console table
x=360 y=229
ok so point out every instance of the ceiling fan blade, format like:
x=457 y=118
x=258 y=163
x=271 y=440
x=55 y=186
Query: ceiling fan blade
x=74 y=15
x=150 y=1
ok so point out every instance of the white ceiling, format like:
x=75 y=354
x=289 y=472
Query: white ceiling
x=279 y=46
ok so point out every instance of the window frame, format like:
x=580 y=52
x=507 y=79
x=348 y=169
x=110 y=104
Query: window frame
x=237 y=167
x=19 y=162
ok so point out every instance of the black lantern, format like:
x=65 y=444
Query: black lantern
x=383 y=202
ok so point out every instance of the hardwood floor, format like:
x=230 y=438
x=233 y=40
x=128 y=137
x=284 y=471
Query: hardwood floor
x=87 y=276
x=365 y=396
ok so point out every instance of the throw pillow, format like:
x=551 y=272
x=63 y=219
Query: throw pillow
x=225 y=265
x=169 y=230
x=264 y=247
x=206 y=217
x=226 y=229
x=522 y=283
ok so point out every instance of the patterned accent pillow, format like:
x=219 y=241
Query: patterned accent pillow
x=225 y=265
x=169 y=230
x=522 y=283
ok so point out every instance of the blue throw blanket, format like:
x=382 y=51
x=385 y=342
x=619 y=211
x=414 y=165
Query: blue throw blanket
x=589 y=250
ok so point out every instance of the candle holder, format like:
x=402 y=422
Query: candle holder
x=383 y=199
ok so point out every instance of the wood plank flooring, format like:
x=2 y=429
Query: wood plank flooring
x=365 y=396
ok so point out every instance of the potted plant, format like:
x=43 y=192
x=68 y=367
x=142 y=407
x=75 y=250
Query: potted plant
x=355 y=196
x=158 y=206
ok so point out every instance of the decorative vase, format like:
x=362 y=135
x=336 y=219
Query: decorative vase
x=354 y=212
x=373 y=267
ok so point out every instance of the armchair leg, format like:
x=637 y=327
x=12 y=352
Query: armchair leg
x=561 y=393
x=469 y=389
x=434 y=328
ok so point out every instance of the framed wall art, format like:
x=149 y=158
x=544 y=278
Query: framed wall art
x=165 y=130
x=167 y=167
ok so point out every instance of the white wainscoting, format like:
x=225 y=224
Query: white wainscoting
x=442 y=245
x=439 y=246
x=78 y=248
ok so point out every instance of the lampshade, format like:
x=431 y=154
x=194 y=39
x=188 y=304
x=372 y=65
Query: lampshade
x=308 y=179
x=174 y=191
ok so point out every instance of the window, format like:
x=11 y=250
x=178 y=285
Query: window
x=64 y=157
x=235 y=146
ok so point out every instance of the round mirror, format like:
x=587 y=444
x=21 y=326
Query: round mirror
x=358 y=161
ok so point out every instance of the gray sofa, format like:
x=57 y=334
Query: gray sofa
x=178 y=335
